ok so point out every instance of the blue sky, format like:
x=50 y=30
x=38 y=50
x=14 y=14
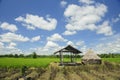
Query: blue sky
x=45 y=26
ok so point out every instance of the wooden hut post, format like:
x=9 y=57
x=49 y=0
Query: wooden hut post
x=71 y=57
x=76 y=57
x=61 y=57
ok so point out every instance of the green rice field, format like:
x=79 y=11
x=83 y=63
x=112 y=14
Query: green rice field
x=39 y=62
x=19 y=62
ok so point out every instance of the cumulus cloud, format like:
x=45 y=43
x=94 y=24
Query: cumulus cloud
x=114 y=20
x=63 y=3
x=86 y=18
x=49 y=48
x=119 y=15
x=8 y=50
x=70 y=43
x=80 y=43
x=12 y=45
x=109 y=47
x=10 y=37
x=36 y=38
x=7 y=26
x=109 y=44
x=51 y=44
x=34 y=21
x=105 y=29
x=29 y=27
x=84 y=49
x=1 y=45
x=56 y=37
x=86 y=1
x=81 y=16
x=77 y=44
x=69 y=33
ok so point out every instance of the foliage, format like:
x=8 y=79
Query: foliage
x=110 y=55
x=34 y=55
x=16 y=56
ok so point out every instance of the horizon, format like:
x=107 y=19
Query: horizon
x=47 y=26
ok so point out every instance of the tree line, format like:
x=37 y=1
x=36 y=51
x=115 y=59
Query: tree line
x=35 y=55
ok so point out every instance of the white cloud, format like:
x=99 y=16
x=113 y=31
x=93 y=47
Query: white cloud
x=63 y=3
x=49 y=48
x=9 y=37
x=70 y=43
x=86 y=1
x=69 y=32
x=7 y=26
x=35 y=21
x=7 y=50
x=119 y=15
x=84 y=49
x=86 y=18
x=51 y=44
x=12 y=45
x=1 y=45
x=84 y=15
x=105 y=29
x=108 y=44
x=109 y=47
x=36 y=38
x=56 y=37
x=30 y=27
x=80 y=43
x=114 y=20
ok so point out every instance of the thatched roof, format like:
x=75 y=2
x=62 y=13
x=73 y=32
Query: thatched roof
x=90 y=55
x=69 y=48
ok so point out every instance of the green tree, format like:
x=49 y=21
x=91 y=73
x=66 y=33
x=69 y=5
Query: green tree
x=10 y=55
x=21 y=55
x=16 y=56
x=34 y=55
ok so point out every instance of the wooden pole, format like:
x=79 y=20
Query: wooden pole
x=61 y=58
x=75 y=57
x=71 y=58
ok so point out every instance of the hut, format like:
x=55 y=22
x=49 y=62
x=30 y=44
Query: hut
x=68 y=49
x=91 y=57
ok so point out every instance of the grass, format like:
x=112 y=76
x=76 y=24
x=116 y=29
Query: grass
x=19 y=62
x=116 y=60
x=38 y=62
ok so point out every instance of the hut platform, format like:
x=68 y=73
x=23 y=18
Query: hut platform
x=69 y=64
x=66 y=64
